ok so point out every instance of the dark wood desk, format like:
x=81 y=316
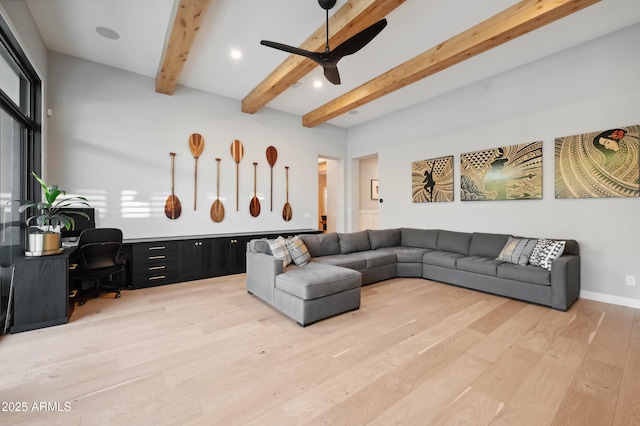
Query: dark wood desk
x=41 y=291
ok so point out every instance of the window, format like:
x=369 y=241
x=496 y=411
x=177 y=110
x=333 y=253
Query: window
x=20 y=112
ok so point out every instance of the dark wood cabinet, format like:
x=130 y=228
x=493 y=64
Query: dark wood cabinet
x=154 y=263
x=196 y=259
x=230 y=255
x=41 y=292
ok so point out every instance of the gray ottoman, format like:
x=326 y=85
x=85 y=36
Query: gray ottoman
x=316 y=291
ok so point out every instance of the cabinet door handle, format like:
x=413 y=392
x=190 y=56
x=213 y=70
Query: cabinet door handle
x=157 y=248
x=156 y=257
x=155 y=268
x=159 y=277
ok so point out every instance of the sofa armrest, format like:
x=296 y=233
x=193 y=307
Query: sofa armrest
x=565 y=281
x=262 y=270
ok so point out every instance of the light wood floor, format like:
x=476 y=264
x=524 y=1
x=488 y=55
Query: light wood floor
x=416 y=353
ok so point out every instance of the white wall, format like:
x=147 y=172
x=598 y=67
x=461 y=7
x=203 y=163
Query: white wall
x=110 y=138
x=579 y=90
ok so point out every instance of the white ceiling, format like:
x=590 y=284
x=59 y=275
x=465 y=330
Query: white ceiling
x=69 y=27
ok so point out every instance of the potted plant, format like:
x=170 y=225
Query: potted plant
x=51 y=217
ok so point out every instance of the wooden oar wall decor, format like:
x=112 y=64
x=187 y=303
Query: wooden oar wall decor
x=217 y=209
x=196 y=145
x=287 y=211
x=172 y=208
x=272 y=157
x=237 y=152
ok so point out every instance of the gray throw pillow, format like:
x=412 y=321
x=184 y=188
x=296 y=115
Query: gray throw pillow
x=280 y=251
x=517 y=251
x=298 y=250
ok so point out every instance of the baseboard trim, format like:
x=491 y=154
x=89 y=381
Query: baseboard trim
x=608 y=298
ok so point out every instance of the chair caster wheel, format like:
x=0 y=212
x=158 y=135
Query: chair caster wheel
x=117 y=295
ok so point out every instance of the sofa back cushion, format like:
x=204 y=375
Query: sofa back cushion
x=354 y=241
x=571 y=247
x=321 y=244
x=380 y=238
x=422 y=238
x=487 y=245
x=259 y=246
x=455 y=242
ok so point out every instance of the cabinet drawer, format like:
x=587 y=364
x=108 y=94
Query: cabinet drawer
x=158 y=248
x=144 y=264
x=154 y=277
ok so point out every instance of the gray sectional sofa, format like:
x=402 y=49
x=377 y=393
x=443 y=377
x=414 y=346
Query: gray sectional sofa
x=340 y=263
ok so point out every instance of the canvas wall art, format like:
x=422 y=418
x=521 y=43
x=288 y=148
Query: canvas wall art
x=432 y=180
x=508 y=173
x=602 y=164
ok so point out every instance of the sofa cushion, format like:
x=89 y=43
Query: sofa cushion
x=279 y=250
x=517 y=251
x=529 y=273
x=479 y=265
x=487 y=245
x=446 y=259
x=350 y=261
x=375 y=258
x=321 y=244
x=456 y=242
x=545 y=252
x=317 y=280
x=298 y=250
x=407 y=254
x=380 y=238
x=354 y=242
x=422 y=238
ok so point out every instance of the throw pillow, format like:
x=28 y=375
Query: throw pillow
x=517 y=250
x=280 y=251
x=545 y=252
x=298 y=250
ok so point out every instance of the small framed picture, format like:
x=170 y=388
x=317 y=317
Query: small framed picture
x=374 y=189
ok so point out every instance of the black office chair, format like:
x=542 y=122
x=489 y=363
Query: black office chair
x=100 y=256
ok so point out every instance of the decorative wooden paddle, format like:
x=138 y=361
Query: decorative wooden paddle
x=272 y=156
x=196 y=145
x=172 y=207
x=287 y=213
x=217 y=209
x=237 y=151
x=254 y=205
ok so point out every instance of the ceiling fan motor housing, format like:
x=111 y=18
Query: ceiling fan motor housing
x=327 y=4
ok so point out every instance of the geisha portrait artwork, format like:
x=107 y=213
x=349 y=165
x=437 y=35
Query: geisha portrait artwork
x=603 y=164
x=432 y=180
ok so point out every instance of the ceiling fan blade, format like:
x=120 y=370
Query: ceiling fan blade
x=358 y=41
x=315 y=56
x=331 y=73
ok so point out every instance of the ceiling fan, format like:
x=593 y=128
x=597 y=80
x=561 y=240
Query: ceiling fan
x=328 y=59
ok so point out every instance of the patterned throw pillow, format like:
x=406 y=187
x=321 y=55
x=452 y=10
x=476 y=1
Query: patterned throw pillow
x=545 y=252
x=517 y=250
x=280 y=251
x=298 y=251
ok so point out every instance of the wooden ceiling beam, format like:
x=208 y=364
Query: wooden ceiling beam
x=522 y=18
x=349 y=20
x=187 y=18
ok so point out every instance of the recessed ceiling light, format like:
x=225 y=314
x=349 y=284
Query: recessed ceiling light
x=108 y=33
x=354 y=112
x=317 y=84
x=236 y=54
